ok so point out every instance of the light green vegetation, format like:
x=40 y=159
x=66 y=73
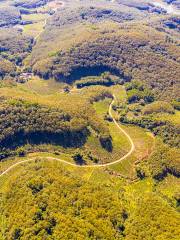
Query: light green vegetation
x=144 y=145
x=34 y=29
x=120 y=143
x=37 y=17
x=51 y=196
x=169 y=189
x=120 y=93
x=37 y=24
x=143 y=140
x=173 y=118
x=39 y=86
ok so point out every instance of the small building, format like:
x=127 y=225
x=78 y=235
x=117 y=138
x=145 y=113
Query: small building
x=24 y=77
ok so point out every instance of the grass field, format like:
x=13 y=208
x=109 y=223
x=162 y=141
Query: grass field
x=144 y=144
x=143 y=140
x=34 y=29
x=173 y=118
x=42 y=87
x=50 y=93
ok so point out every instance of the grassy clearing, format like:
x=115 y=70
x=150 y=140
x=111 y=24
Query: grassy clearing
x=172 y=118
x=47 y=93
x=102 y=107
x=40 y=86
x=34 y=29
x=37 y=25
x=120 y=93
x=120 y=142
x=37 y=17
x=144 y=143
x=143 y=140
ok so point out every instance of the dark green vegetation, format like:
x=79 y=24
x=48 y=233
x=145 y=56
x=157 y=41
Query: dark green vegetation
x=106 y=79
x=61 y=65
x=14 y=47
x=23 y=122
x=29 y=4
x=9 y=16
x=128 y=55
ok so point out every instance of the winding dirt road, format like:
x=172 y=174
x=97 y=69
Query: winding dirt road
x=83 y=166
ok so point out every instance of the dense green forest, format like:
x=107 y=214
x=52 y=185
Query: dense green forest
x=89 y=120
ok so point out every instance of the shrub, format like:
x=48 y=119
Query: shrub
x=176 y=104
x=158 y=107
x=78 y=158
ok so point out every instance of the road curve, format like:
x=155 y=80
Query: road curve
x=83 y=166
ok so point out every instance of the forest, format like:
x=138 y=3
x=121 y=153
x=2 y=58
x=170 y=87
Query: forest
x=89 y=120
x=23 y=122
x=131 y=56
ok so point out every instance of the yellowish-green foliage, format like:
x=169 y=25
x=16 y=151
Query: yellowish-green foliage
x=158 y=107
x=136 y=199
x=169 y=189
x=144 y=146
x=39 y=86
x=164 y=223
x=174 y=119
x=81 y=40
x=34 y=17
x=6 y=67
x=51 y=200
x=78 y=105
x=33 y=29
x=64 y=205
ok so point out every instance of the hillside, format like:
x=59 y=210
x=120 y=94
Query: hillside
x=89 y=119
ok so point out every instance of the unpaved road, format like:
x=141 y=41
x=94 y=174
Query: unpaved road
x=83 y=166
x=45 y=21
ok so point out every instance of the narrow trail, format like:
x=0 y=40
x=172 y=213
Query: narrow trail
x=45 y=22
x=83 y=166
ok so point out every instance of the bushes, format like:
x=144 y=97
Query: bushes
x=138 y=95
x=106 y=142
x=105 y=79
x=14 y=47
x=9 y=16
x=136 y=91
x=152 y=218
x=163 y=161
x=176 y=104
x=6 y=68
x=68 y=125
x=79 y=158
x=30 y=4
x=158 y=107
x=134 y=95
x=166 y=130
x=61 y=204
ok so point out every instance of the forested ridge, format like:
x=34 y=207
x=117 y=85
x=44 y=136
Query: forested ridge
x=89 y=120
x=23 y=122
x=126 y=55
